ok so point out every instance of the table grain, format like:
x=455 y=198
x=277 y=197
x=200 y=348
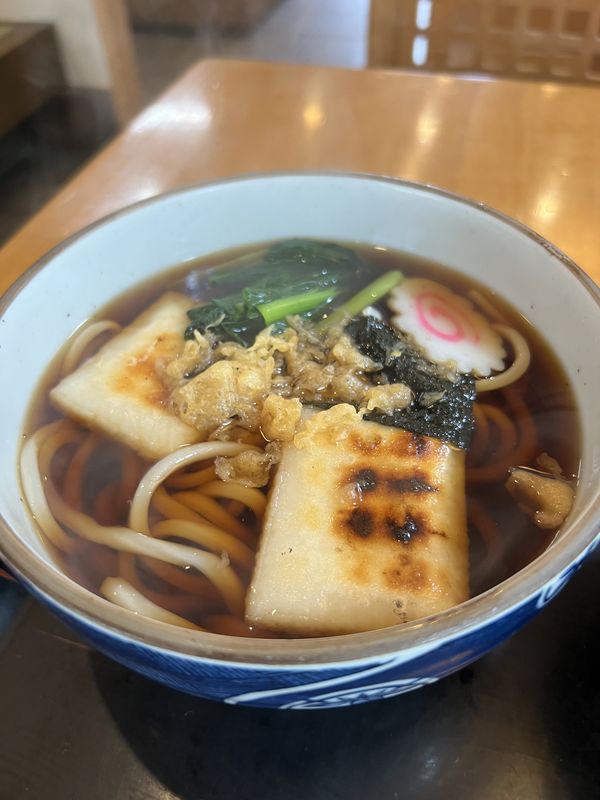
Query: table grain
x=528 y=149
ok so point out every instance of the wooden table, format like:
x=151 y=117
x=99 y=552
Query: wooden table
x=529 y=149
x=521 y=722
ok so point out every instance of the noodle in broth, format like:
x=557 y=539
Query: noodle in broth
x=172 y=541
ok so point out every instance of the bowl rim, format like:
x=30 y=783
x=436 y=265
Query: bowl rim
x=475 y=613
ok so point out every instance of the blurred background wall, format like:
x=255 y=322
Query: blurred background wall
x=77 y=32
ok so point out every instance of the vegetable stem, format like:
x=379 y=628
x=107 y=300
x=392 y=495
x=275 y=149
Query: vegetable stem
x=370 y=294
x=294 y=304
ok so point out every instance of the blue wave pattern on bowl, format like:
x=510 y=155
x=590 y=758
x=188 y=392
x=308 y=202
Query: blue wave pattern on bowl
x=320 y=686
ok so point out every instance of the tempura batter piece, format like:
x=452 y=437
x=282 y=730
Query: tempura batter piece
x=365 y=528
x=118 y=391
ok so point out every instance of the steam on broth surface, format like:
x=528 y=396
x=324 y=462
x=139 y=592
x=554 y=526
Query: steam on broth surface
x=390 y=437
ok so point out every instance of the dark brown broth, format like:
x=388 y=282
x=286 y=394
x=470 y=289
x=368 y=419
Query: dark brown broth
x=545 y=390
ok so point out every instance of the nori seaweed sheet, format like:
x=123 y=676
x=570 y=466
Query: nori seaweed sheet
x=450 y=418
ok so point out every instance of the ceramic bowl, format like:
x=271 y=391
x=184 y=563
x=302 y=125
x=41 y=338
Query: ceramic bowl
x=67 y=287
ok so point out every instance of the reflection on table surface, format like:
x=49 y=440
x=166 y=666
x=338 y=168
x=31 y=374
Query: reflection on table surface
x=525 y=148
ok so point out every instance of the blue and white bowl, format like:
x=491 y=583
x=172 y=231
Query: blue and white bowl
x=63 y=290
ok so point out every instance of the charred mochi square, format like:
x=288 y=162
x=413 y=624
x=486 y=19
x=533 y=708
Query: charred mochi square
x=365 y=528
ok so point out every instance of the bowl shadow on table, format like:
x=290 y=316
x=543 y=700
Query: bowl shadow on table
x=510 y=723
x=200 y=748
x=571 y=678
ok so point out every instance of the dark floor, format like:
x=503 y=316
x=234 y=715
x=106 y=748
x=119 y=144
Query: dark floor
x=38 y=156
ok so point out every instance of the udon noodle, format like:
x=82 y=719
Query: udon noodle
x=174 y=538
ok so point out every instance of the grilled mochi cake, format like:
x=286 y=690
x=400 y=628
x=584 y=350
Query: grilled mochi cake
x=118 y=391
x=365 y=528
